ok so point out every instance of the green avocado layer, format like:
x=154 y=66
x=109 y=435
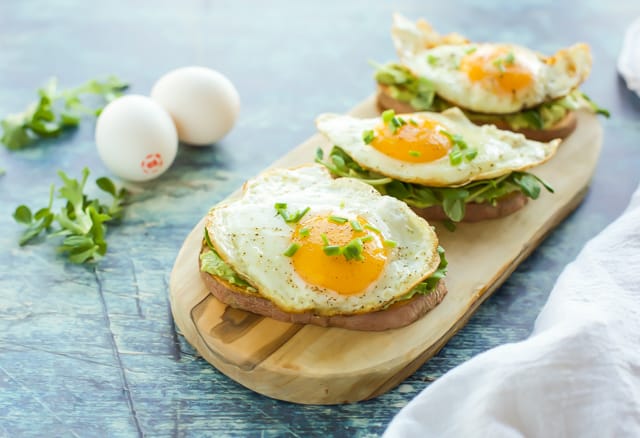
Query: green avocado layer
x=420 y=93
x=452 y=199
x=213 y=264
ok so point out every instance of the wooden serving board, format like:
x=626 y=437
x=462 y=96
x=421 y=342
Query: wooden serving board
x=315 y=365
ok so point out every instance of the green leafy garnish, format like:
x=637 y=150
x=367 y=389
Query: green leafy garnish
x=56 y=110
x=403 y=85
x=332 y=250
x=392 y=121
x=372 y=228
x=281 y=209
x=510 y=59
x=304 y=232
x=432 y=59
x=428 y=285
x=470 y=50
x=292 y=250
x=390 y=243
x=82 y=221
x=415 y=153
x=350 y=251
x=338 y=220
x=355 y=225
x=453 y=200
x=368 y=136
x=460 y=149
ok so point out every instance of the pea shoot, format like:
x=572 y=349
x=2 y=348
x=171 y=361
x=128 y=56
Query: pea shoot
x=81 y=221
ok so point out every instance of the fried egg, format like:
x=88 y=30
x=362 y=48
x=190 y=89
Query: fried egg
x=419 y=150
x=487 y=77
x=286 y=236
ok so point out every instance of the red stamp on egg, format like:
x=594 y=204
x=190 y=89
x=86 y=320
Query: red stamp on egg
x=152 y=163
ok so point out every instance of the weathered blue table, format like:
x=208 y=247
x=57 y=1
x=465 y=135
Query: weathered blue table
x=92 y=350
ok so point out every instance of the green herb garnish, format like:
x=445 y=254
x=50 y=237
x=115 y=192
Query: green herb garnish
x=509 y=59
x=368 y=136
x=332 y=250
x=304 y=232
x=390 y=243
x=415 y=153
x=452 y=199
x=393 y=122
x=460 y=149
x=81 y=220
x=56 y=110
x=281 y=209
x=355 y=225
x=471 y=50
x=432 y=59
x=292 y=250
x=372 y=228
x=338 y=220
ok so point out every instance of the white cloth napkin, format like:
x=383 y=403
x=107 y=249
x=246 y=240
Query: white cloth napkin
x=629 y=58
x=577 y=375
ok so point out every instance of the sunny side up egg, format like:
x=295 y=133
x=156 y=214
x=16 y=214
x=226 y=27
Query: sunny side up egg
x=308 y=242
x=418 y=149
x=487 y=77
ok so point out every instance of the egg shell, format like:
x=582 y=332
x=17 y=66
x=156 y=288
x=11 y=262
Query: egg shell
x=136 y=138
x=203 y=103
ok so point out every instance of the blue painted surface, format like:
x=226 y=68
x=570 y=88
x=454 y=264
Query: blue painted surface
x=92 y=351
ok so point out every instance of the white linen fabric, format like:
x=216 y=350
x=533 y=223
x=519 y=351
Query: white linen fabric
x=629 y=58
x=577 y=375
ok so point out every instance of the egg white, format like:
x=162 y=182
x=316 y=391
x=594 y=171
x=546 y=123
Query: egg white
x=499 y=152
x=251 y=238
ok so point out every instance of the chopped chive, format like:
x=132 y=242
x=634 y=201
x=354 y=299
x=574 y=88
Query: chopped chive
x=338 y=219
x=292 y=250
x=388 y=115
x=368 y=136
x=415 y=153
x=281 y=209
x=390 y=243
x=510 y=58
x=455 y=155
x=470 y=154
x=413 y=122
x=304 y=232
x=372 y=228
x=471 y=50
x=332 y=250
x=355 y=225
x=325 y=239
x=298 y=215
x=366 y=238
x=432 y=59
x=353 y=250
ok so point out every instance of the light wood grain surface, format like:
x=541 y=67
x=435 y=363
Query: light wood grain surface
x=315 y=365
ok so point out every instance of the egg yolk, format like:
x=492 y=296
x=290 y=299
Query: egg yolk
x=335 y=272
x=498 y=69
x=416 y=141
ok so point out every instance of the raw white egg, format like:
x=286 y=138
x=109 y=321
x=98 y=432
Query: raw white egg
x=136 y=138
x=203 y=103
